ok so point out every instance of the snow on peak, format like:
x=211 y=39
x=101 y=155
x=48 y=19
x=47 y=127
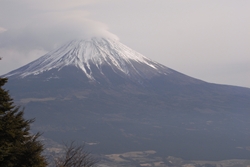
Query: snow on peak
x=83 y=53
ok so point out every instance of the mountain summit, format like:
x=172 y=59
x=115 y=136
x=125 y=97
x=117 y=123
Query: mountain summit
x=95 y=54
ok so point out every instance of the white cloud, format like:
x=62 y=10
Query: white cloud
x=53 y=24
x=41 y=26
x=51 y=30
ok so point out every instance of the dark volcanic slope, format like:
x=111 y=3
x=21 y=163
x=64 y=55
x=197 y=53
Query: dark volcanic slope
x=102 y=92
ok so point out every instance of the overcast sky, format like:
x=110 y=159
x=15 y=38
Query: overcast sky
x=205 y=39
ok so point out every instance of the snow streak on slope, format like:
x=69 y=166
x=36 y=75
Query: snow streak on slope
x=84 y=53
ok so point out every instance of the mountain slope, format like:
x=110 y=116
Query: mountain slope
x=103 y=92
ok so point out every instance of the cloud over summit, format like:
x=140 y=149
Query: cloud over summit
x=37 y=27
x=48 y=28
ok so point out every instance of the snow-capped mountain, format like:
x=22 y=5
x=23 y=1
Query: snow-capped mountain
x=94 y=53
x=100 y=91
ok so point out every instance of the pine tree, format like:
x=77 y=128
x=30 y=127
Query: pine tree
x=18 y=148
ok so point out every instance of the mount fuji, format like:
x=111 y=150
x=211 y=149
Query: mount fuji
x=92 y=54
x=100 y=91
x=98 y=59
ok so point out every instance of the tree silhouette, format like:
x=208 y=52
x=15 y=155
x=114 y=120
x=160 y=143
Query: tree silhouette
x=18 y=147
x=75 y=156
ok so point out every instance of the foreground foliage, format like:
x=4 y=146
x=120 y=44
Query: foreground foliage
x=18 y=148
x=75 y=156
